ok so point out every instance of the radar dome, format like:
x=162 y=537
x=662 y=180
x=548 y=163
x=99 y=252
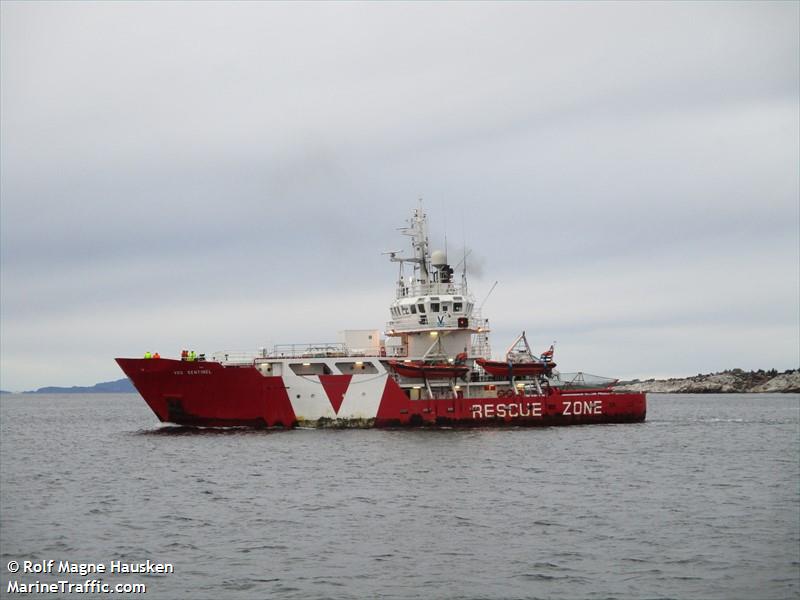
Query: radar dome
x=438 y=258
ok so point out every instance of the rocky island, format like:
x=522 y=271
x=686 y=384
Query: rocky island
x=730 y=381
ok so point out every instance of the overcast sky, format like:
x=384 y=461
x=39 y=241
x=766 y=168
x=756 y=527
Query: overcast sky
x=226 y=176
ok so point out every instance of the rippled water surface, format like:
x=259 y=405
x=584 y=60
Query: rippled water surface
x=700 y=501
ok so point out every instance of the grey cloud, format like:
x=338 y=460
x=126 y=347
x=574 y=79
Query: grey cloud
x=167 y=155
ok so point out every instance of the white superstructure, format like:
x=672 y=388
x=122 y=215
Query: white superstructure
x=432 y=315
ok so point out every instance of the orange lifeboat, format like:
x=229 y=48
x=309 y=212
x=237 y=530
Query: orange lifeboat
x=520 y=361
x=515 y=369
x=422 y=370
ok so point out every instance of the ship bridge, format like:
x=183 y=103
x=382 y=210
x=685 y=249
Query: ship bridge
x=430 y=309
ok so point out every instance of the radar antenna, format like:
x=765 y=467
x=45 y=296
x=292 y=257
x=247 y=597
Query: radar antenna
x=392 y=254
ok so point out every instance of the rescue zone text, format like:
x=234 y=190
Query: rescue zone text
x=534 y=409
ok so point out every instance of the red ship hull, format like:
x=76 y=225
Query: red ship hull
x=213 y=395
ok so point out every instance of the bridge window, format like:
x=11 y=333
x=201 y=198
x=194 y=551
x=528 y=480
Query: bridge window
x=421 y=308
x=413 y=309
x=457 y=306
x=434 y=307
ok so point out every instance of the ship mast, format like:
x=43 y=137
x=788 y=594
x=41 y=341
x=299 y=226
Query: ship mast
x=417 y=230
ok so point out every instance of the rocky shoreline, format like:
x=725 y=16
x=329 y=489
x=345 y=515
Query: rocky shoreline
x=732 y=381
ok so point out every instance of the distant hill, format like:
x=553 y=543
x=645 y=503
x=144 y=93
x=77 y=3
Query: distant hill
x=107 y=387
x=731 y=381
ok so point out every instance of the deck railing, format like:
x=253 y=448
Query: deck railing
x=431 y=289
x=314 y=350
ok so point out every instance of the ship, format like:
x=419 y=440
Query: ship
x=430 y=366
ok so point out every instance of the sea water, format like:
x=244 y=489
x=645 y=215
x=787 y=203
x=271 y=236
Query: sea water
x=700 y=501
